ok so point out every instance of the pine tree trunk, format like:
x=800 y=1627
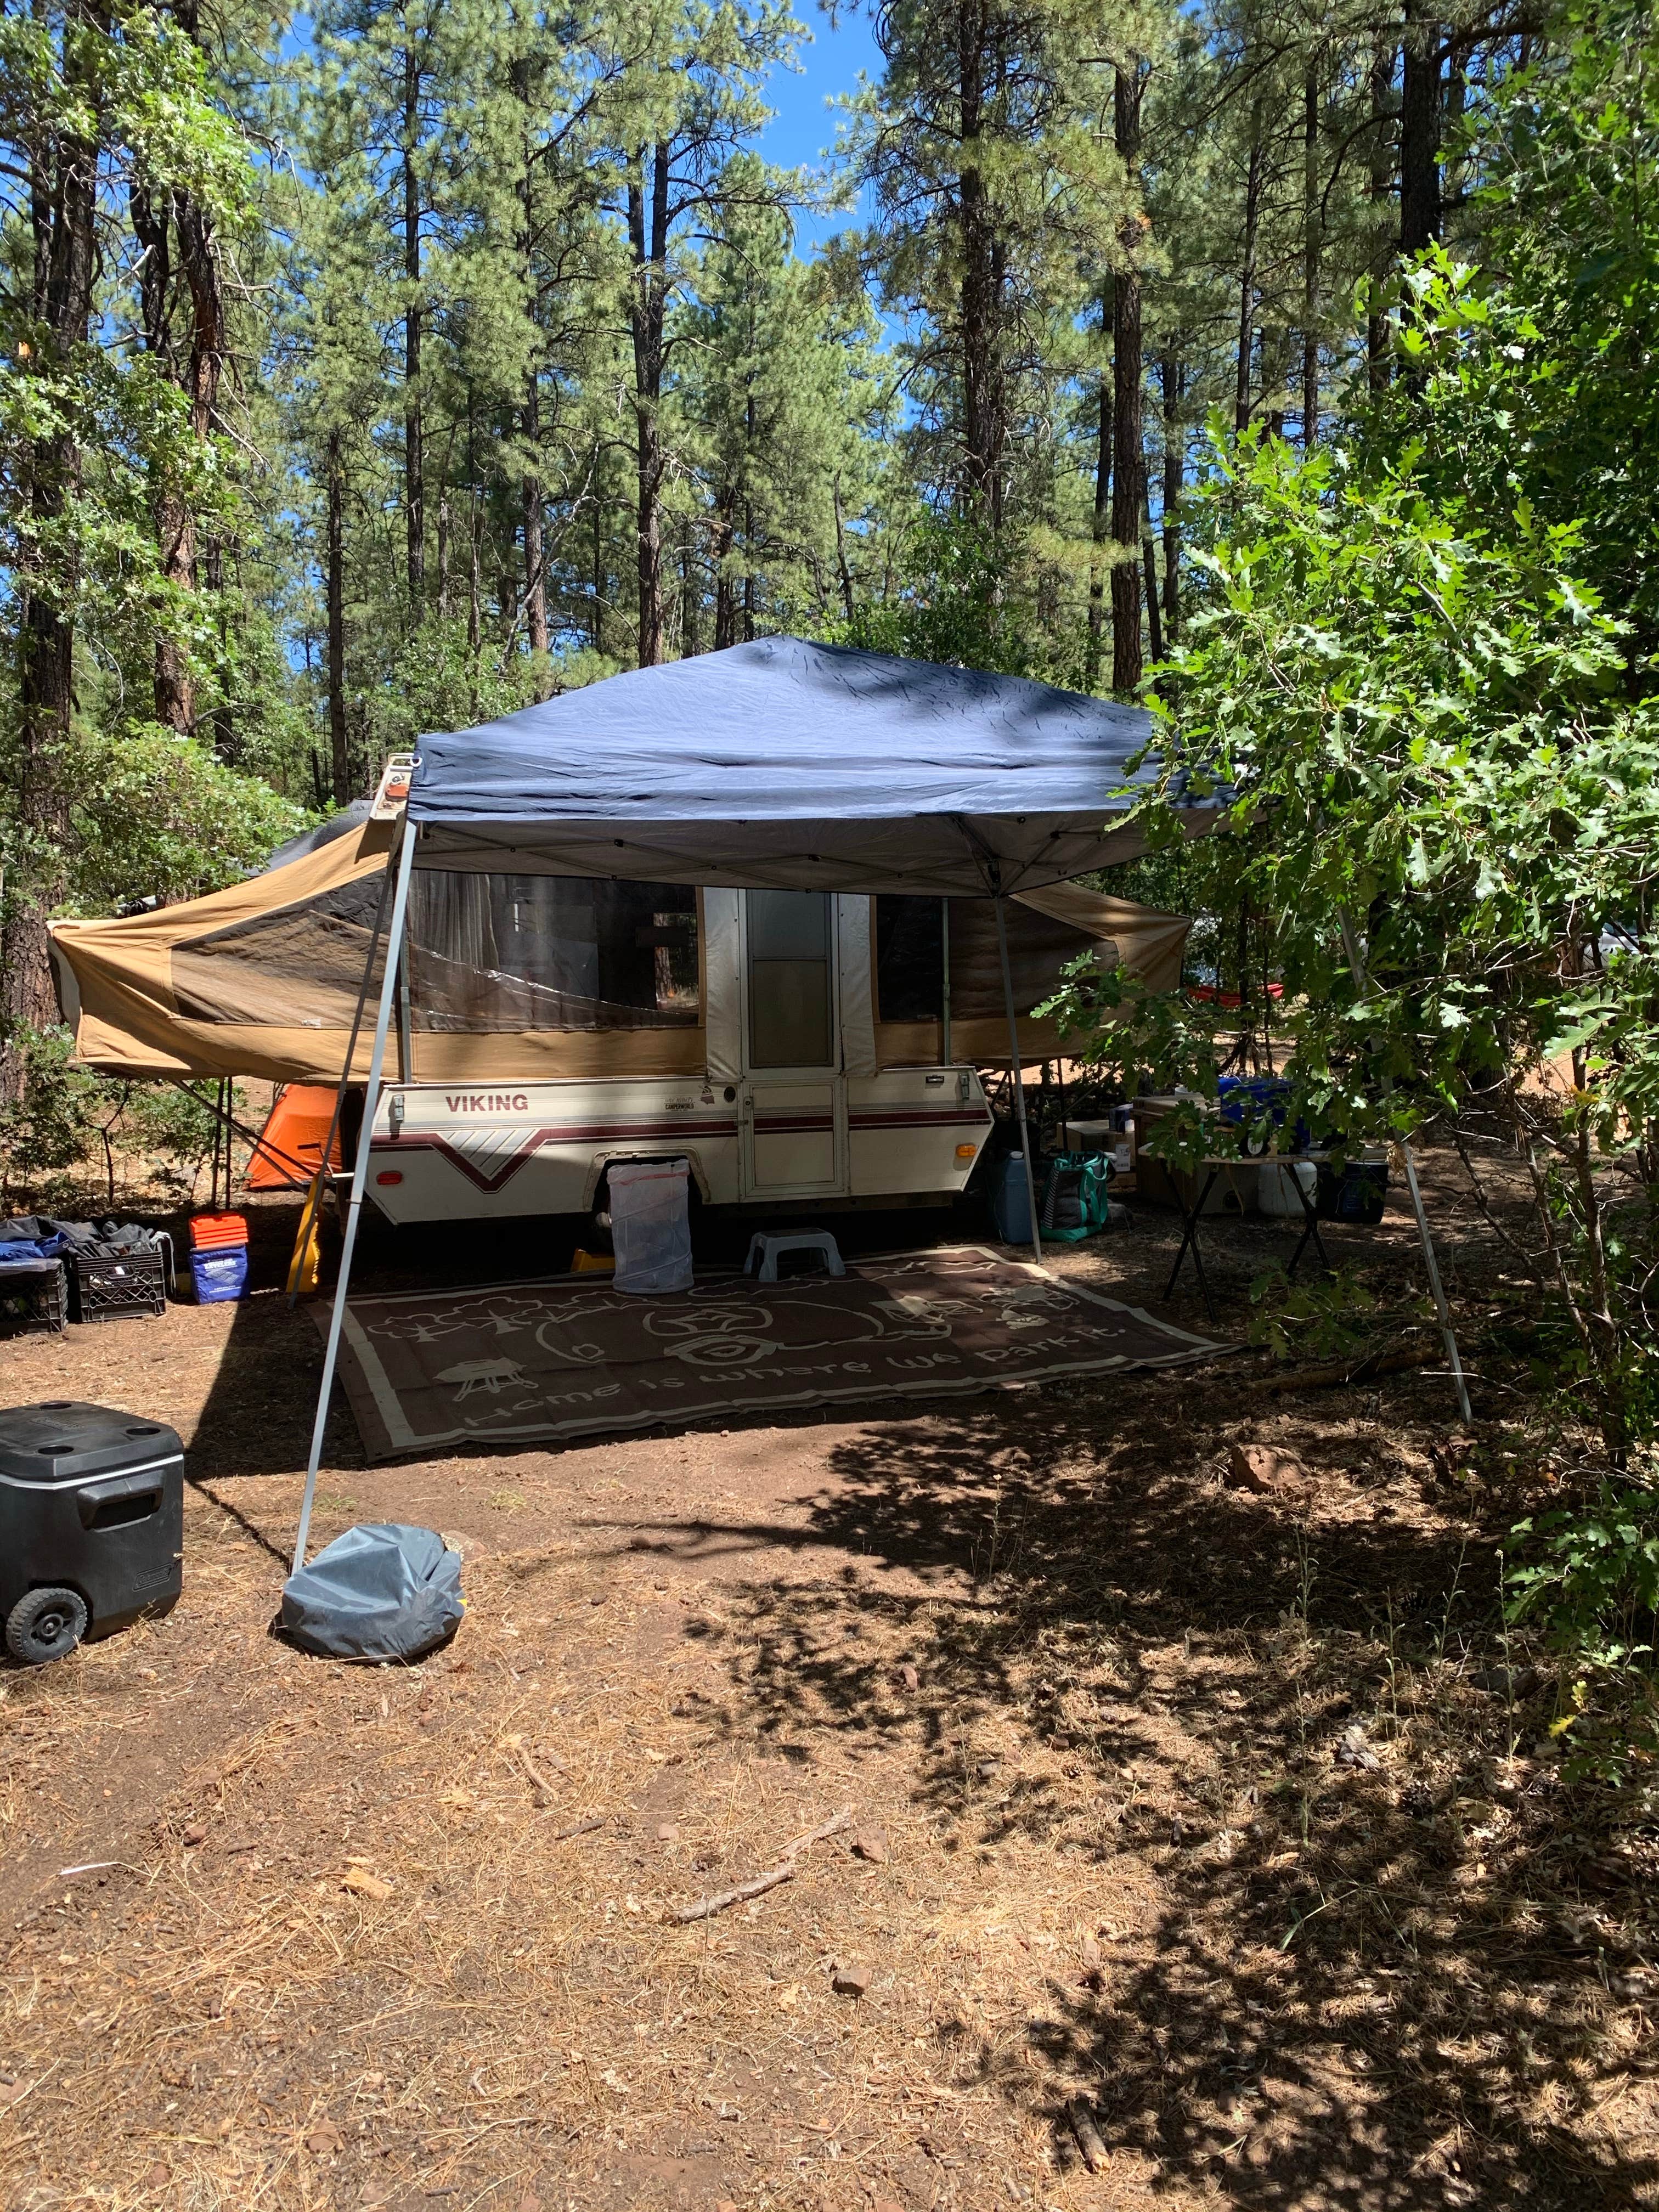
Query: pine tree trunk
x=1175 y=457
x=596 y=629
x=338 y=743
x=63 y=201
x=1101 y=523
x=155 y=224
x=414 y=457
x=1129 y=452
x=1382 y=169
x=749 y=578
x=648 y=237
x=1149 y=569
x=843 y=573
x=690 y=592
x=535 y=548
x=1311 y=257
x=981 y=285
x=1419 y=132
x=1255 y=176
x=725 y=536
x=535 y=554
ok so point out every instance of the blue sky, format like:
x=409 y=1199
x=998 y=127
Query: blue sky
x=803 y=128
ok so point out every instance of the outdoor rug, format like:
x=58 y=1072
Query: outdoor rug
x=430 y=1368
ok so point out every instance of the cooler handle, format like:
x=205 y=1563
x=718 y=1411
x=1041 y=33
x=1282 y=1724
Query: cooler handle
x=96 y=1496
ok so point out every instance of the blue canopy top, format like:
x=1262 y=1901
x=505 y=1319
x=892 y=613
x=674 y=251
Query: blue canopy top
x=792 y=765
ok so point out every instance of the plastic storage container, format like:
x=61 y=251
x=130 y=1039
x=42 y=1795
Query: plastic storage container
x=210 y=1233
x=33 y=1299
x=109 y=1282
x=1010 y=1200
x=1355 y=1194
x=218 y=1256
x=91 y=1524
x=651 y=1225
x=1248 y=1100
x=1277 y=1191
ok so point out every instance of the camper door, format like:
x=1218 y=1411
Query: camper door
x=792 y=1097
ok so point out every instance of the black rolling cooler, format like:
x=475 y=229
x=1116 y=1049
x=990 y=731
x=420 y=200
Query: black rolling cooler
x=91 y=1524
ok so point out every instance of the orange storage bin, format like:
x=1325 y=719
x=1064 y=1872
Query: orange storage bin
x=213 y=1232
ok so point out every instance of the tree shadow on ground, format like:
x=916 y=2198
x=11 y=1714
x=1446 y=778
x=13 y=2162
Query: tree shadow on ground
x=1377 y=1973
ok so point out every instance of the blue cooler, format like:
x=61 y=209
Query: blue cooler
x=220 y=1274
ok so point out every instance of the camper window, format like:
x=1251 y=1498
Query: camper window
x=512 y=953
x=790 y=1002
x=486 y=954
x=294 y=967
x=910 y=959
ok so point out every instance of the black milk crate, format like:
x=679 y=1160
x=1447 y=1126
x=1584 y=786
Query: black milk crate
x=35 y=1303
x=113 y=1282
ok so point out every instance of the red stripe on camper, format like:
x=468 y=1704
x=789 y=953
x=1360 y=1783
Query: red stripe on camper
x=558 y=1133
x=919 y=1118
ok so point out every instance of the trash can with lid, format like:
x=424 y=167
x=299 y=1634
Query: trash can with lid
x=91 y=1524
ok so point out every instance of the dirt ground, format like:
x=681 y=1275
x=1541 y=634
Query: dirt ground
x=1229 y=1813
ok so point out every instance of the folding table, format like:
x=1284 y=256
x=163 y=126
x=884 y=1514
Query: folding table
x=1213 y=1163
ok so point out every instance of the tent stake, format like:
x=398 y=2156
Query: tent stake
x=359 y=1180
x=314 y=1195
x=1019 y=1079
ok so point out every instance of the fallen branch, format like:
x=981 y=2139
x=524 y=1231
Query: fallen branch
x=757 y=1886
x=706 y=1907
x=576 y=1828
x=1089 y=2140
x=1348 y=1372
x=832 y=1826
x=536 y=1775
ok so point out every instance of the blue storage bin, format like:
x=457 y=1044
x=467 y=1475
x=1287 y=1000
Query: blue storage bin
x=1010 y=1201
x=1254 y=1098
x=220 y=1274
x=1357 y=1195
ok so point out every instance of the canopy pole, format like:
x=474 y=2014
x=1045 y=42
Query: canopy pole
x=1444 y=1311
x=221 y=1113
x=359 y=1180
x=314 y=1194
x=1351 y=946
x=1019 y=1079
x=945 y=965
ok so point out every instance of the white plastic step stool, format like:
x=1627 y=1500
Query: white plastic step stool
x=767 y=1245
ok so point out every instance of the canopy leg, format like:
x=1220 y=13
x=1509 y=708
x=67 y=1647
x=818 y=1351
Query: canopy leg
x=1019 y=1079
x=1351 y=946
x=359 y=1180
x=314 y=1195
x=1440 y=1305
x=944 y=980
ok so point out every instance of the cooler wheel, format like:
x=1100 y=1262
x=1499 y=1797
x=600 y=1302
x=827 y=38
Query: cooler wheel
x=46 y=1625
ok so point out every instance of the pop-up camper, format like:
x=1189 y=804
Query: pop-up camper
x=816 y=1046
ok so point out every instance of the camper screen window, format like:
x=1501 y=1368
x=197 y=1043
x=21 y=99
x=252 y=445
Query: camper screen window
x=508 y=953
x=910 y=959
